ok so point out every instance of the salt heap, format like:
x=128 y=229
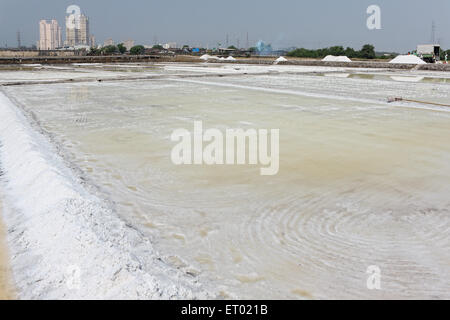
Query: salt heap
x=207 y=57
x=280 y=59
x=230 y=58
x=410 y=59
x=336 y=59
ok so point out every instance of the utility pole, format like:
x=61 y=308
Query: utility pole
x=247 y=41
x=227 y=41
x=433 y=32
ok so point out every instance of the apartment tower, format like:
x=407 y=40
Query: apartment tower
x=77 y=30
x=49 y=35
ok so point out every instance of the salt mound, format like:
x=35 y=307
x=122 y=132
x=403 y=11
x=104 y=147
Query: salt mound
x=230 y=58
x=410 y=59
x=205 y=57
x=331 y=58
x=208 y=57
x=281 y=59
x=57 y=212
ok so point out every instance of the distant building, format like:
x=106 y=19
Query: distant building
x=92 y=41
x=49 y=35
x=170 y=45
x=128 y=44
x=108 y=42
x=77 y=30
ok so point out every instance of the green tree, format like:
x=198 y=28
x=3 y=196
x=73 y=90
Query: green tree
x=122 y=49
x=137 y=50
x=232 y=47
x=336 y=51
x=351 y=53
x=158 y=47
x=443 y=53
x=367 y=52
x=305 y=53
x=95 y=52
x=109 y=49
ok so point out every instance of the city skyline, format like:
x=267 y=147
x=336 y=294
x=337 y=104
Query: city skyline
x=286 y=24
x=77 y=31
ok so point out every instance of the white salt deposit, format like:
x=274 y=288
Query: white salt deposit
x=230 y=58
x=65 y=241
x=205 y=57
x=407 y=59
x=281 y=59
x=331 y=58
x=407 y=79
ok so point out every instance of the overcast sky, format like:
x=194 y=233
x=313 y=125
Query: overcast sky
x=283 y=23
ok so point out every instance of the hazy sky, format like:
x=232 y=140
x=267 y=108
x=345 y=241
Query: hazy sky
x=283 y=23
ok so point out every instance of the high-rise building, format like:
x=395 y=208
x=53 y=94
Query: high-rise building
x=49 y=35
x=77 y=30
x=128 y=44
x=92 y=42
x=170 y=45
x=84 y=30
x=108 y=42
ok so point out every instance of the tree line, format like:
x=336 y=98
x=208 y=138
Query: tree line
x=119 y=49
x=366 y=52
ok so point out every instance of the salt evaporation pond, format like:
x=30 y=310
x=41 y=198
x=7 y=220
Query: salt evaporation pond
x=361 y=182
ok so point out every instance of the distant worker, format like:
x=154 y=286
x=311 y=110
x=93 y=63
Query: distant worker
x=446 y=57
